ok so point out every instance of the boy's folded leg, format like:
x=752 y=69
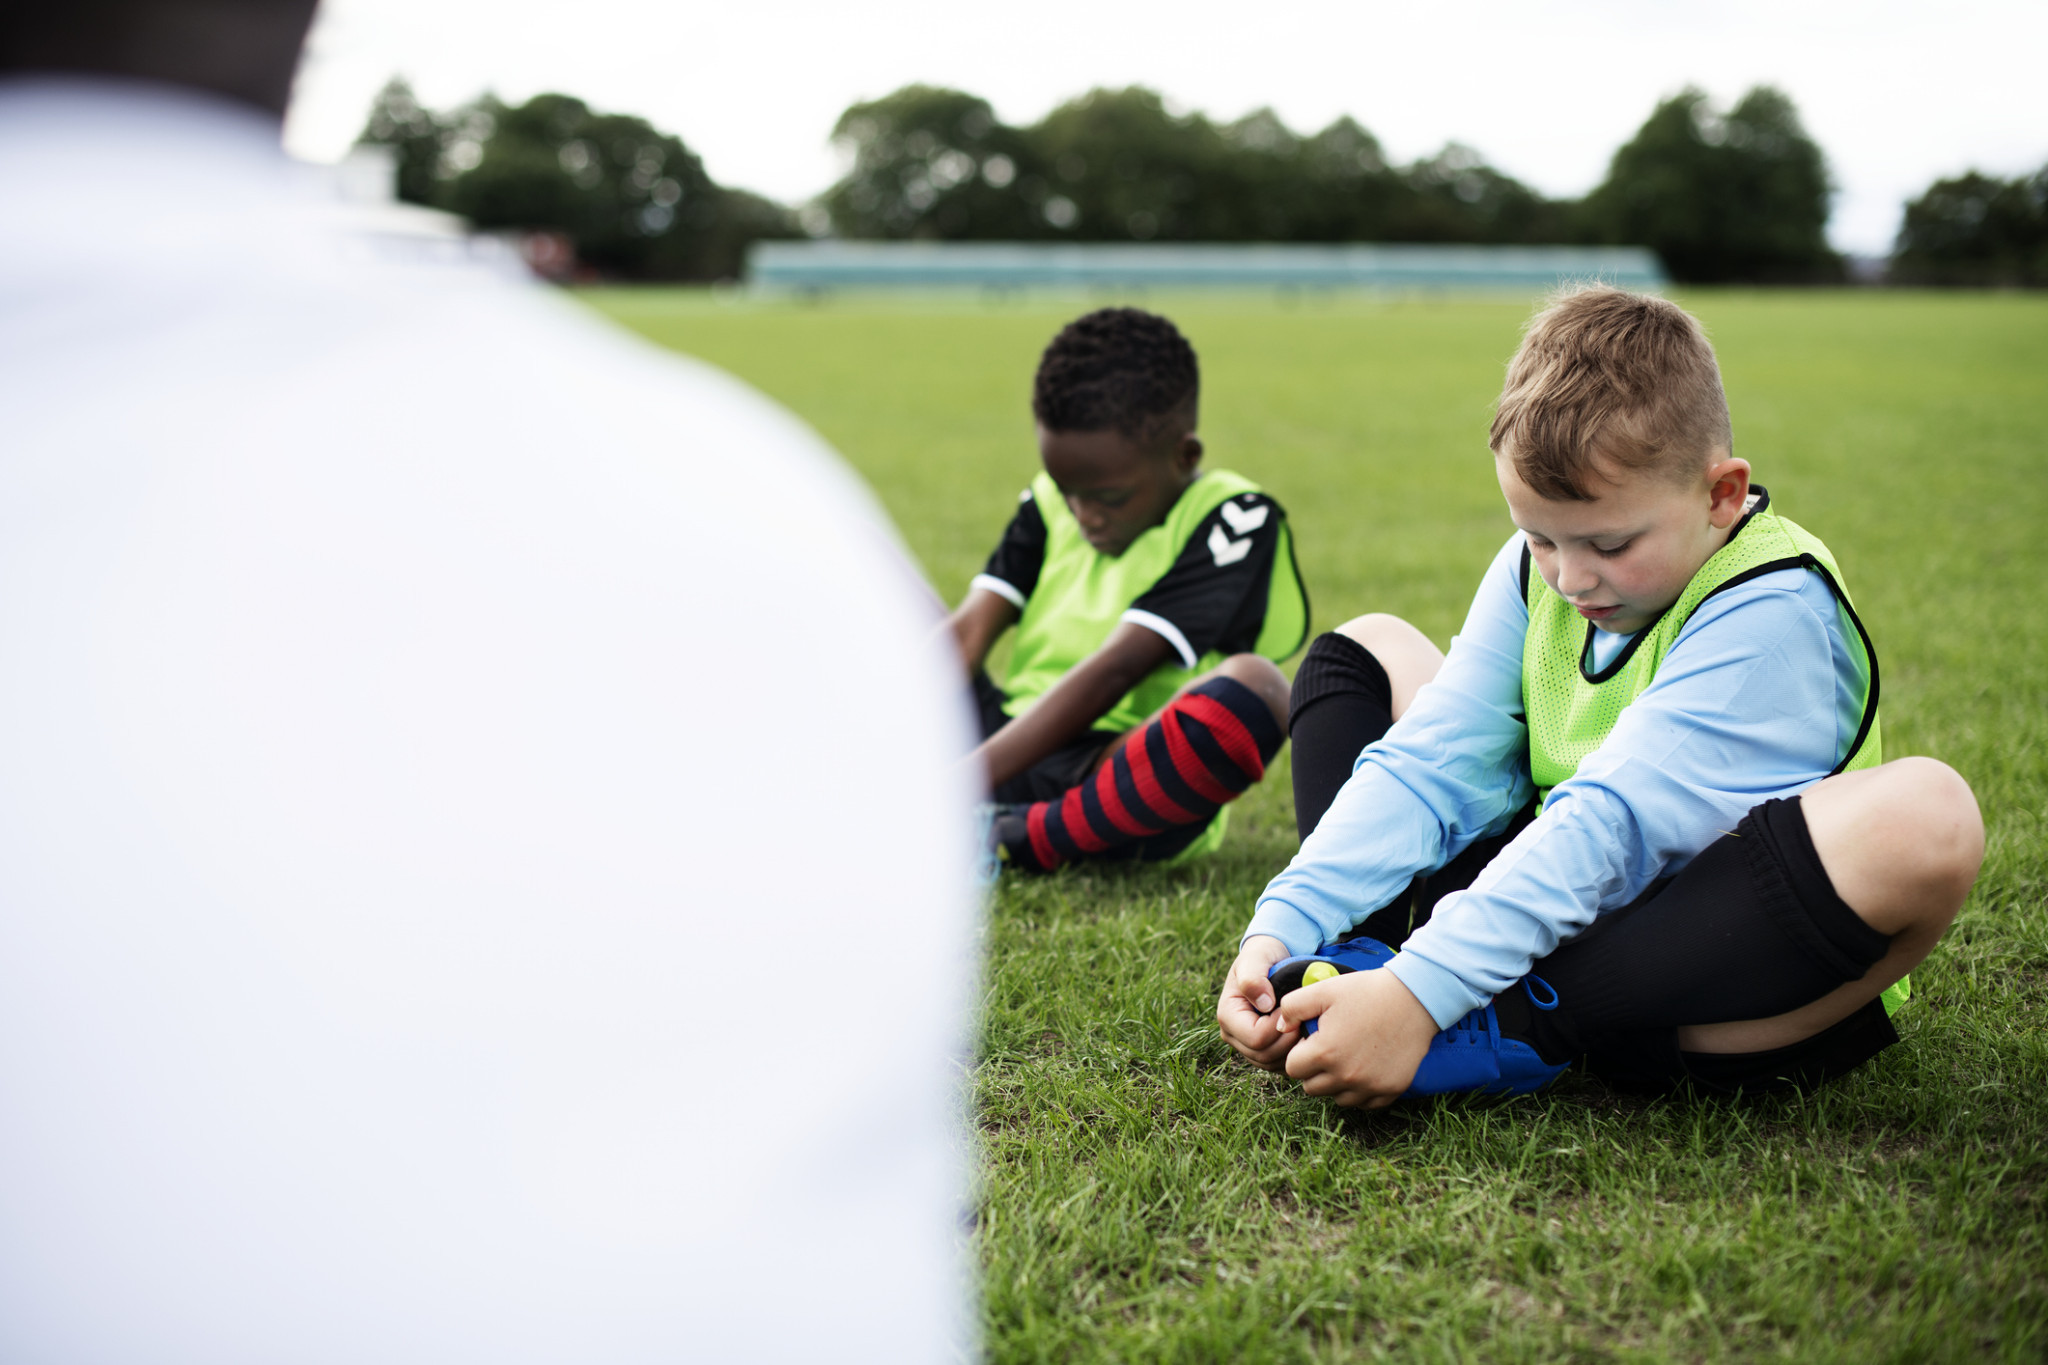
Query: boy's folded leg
x=1751 y=929
x=1342 y=700
x=1651 y=1062
x=1490 y=1050
x=1160 y=787
x=1067 y=766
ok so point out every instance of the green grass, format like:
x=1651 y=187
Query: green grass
x=1145 y=1197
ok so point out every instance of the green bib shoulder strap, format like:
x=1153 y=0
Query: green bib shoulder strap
x=1572 y=707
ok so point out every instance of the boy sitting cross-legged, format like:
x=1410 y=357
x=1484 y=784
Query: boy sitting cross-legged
x=1639 y=814
x=1150 y=599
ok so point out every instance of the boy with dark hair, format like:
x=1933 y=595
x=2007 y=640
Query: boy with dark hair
x=1151 y=600
x=1639 y=814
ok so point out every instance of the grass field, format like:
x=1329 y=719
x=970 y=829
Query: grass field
x=1146 y=1197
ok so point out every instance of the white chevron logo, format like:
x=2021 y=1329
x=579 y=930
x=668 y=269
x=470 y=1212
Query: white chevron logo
x=1226 y=550
x=1243 y=521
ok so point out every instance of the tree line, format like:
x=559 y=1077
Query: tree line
x=1735 y=195
x=1976 y=230
x=1740 y=195
x=635 y=202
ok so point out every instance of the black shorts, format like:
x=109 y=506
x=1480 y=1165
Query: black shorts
x=1067 y=767
x=1763 y=897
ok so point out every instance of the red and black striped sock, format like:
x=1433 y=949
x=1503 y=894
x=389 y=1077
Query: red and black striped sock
x=1174 y=772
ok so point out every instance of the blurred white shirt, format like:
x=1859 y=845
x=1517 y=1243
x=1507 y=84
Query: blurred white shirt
x=483 y=871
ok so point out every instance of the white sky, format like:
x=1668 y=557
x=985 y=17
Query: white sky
x=1896 y=92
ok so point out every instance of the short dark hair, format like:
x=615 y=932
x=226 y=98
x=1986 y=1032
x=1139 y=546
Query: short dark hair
x=1606 y=375
x=1119 y=369
x=243 y=49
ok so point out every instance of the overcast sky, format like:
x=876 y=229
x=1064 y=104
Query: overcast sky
x=1896 y=93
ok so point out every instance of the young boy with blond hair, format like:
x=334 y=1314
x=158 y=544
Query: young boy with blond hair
x=1639 y=814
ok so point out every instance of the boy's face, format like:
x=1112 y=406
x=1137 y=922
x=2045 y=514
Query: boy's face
x=1624 y=557
x=1116 y=488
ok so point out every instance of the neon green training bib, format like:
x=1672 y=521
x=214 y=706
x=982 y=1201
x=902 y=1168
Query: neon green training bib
x=1082 y=594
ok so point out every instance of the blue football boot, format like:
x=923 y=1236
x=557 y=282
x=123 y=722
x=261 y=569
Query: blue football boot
x=1469 y=1056
x=1472 y=1056
x=1332 y=959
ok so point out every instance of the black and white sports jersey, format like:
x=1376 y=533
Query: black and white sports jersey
x=1213 y=597
x=1012 y=570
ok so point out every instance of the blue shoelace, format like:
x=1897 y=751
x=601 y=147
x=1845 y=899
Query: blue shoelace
x=1481 y=1027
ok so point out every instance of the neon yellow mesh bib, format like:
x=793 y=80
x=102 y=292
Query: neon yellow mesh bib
x=1082 y=594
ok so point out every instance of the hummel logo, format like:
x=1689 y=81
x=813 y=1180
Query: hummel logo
x=1225 y=550
x=1243 y=521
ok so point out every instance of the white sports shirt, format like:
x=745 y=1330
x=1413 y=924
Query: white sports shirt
x=442 y=916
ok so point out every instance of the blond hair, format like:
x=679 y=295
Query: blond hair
x=1609 y=378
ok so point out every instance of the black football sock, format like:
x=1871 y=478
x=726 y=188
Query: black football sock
x=1342 y=701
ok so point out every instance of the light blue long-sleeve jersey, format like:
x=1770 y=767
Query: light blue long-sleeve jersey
x=1759 y=697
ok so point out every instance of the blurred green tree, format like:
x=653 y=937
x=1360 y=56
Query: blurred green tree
x=1976 y=230
x=635 y=202
x=1344 y=190
x=933 y=163
x=418 y=136
x=1741 y=196
x=1120 y=165
x=1459 y=198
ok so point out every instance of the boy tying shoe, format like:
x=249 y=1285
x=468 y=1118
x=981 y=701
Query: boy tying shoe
x=1151 y=599
x=1725 y=884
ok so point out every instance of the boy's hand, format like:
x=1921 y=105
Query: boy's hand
x=1370 y=1039
x=1243 y=1010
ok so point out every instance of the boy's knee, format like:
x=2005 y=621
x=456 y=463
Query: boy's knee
x=1263 y=677
x=1410 y=658
x=1936 y=797
x=1902 y=841
x=1378 y=630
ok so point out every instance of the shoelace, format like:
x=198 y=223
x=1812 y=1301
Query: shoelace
x=1481 y=1028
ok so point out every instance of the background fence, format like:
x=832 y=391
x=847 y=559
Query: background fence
x=814 y=266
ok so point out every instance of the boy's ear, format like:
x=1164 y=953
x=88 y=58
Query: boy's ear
x=1189 y=453
x=1727 y=491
